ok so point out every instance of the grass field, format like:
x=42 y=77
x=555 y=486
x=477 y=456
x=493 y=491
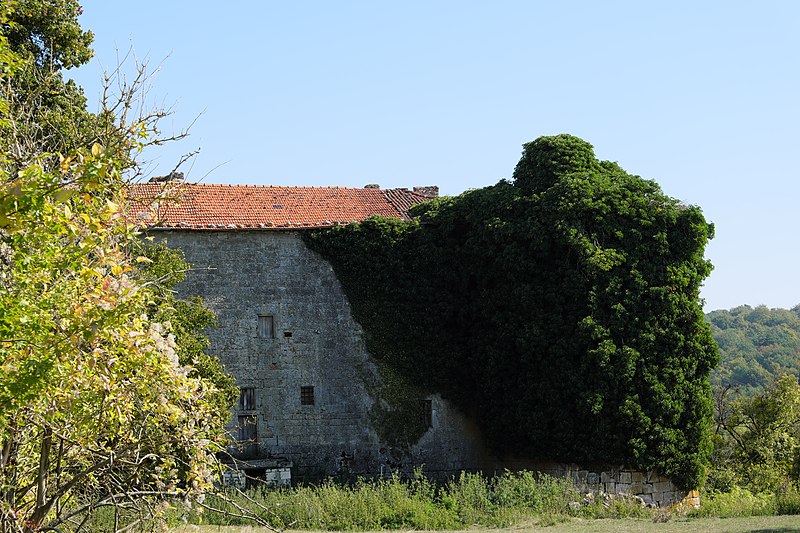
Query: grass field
x=759 y=524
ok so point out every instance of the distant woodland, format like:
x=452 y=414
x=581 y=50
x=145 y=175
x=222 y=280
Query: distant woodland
x=756 y=345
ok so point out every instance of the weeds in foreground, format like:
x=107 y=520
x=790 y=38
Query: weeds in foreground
x=739 y=502
x=470 y=499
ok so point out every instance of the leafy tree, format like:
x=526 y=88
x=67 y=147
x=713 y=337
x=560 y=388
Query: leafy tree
x=94 y=403
x=98 y=406
x=561 y=310
x=47 y=33
x=48 y=114
x=758 y=437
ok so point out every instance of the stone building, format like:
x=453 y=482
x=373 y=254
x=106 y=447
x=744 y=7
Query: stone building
x=284 y=330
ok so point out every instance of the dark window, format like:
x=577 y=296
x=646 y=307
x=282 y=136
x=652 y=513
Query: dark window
x=247 y=398
x=266 y=327
x=427 y=413
x=307 y=395
x=248 y=428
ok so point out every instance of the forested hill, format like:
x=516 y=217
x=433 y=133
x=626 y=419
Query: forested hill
x=756 y=345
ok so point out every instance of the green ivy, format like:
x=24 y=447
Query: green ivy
x=561 y=310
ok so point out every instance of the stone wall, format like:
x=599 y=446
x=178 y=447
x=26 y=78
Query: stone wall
x=653 y=489
x=313 y=342
x=613 y=481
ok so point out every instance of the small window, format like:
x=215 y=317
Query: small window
x=247 y=398
x=248 y=428
x=266 y=327
x=427 y=413
x=307 y=395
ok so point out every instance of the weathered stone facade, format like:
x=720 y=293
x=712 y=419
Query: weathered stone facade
x=306 y=337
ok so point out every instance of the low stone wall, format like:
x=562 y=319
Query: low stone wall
x=653 y=489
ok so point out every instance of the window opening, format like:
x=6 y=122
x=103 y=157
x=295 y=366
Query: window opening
x=266 y=327
x=247 y=398
x=248 y=428
x=307 y=395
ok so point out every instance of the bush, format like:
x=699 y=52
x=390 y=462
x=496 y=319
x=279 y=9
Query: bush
x=737 y=502
x=788 y=502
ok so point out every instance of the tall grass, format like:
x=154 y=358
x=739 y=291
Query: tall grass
x=468 y=500
x=393 y=503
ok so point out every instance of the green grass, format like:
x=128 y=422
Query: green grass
x=470 y=501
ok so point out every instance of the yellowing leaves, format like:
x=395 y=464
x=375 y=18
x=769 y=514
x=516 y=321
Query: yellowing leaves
x=62 y=195
x=65 y=163
x=112 y=207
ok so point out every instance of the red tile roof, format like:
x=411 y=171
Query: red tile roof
x=195 y=206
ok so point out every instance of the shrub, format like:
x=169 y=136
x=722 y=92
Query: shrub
x=737 y=502
x=788 y=502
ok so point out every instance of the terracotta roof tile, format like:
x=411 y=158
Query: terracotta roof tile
x=231 y=207
x=403 y=199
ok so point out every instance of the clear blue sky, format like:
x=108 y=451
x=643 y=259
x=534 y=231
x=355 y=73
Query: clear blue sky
x=703 y=97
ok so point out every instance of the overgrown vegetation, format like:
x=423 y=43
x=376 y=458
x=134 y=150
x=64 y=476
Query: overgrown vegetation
x=470 y=499
x=561 y=310
x=757 y=438
x=466 y=501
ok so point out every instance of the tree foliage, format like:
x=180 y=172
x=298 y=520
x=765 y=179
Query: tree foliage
x=48 y=113
x=98 y=405
x=757 y=398
x=561 y=310
x=94 y=403
x=47 y=33
x=757 y=441
x=756 y=345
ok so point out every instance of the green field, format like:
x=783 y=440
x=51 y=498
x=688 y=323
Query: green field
x=759 y=524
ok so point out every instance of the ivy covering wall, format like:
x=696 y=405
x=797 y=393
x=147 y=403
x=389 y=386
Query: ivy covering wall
x=560 y=310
